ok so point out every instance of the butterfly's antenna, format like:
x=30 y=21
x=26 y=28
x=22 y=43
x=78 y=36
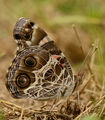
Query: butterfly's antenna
x=91 y=51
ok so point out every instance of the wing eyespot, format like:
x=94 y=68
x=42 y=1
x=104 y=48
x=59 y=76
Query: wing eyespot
x=23 y=81
x=30 y=61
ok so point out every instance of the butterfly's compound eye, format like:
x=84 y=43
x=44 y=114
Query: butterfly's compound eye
x=28 y=30
x=30 y=62
x=23 y=81
x=32 y=23
x=17 y=36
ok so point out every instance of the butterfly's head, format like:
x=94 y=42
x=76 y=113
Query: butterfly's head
x=23 y=29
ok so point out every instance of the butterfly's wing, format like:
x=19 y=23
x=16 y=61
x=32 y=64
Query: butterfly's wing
x=38 y=35
x=56 y=77
x=53 y=74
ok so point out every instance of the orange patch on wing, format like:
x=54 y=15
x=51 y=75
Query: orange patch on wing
x=56 y=56
x=62 y=65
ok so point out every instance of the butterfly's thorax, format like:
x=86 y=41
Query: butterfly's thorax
x=40 y=71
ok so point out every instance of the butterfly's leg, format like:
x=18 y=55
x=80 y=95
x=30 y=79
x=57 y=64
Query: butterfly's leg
x=21 y=45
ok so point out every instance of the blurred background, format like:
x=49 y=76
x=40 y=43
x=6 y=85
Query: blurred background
x=57 y=18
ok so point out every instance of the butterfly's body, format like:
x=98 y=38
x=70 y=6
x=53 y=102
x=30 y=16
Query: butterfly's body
x=40 y=70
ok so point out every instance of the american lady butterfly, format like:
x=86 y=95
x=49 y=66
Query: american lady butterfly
x=40 y=70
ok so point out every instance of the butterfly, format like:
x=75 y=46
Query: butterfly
x=39 y=70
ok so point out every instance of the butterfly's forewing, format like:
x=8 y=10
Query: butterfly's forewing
x=40 y=71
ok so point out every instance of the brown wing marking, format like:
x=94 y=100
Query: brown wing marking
x=52 y=48
x=38 y=36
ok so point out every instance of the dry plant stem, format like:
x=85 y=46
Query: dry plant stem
x=22 y=112
x=92 y=73
x=9 y=103
x=53 y=105
x=84 y=112
x=99 y=101
x=86 y=58
x=92 y=92
x=78 y=38
x=93 y=54
x=34 y=111
x=103 y=108
x=90 y=66
x=55 y=117
x=85 y=84
x=89 y=104
x=83 y=87
x=81 y=47
x=21 y=116
x=103 y=88
x=11 y=106
x=93 y=106
x=101 y=53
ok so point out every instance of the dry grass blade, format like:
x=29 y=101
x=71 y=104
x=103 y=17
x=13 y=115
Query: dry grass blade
x=10 y=104
x=102 y=111
x=78 y=38
x=22 y=112
x=82 y=114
